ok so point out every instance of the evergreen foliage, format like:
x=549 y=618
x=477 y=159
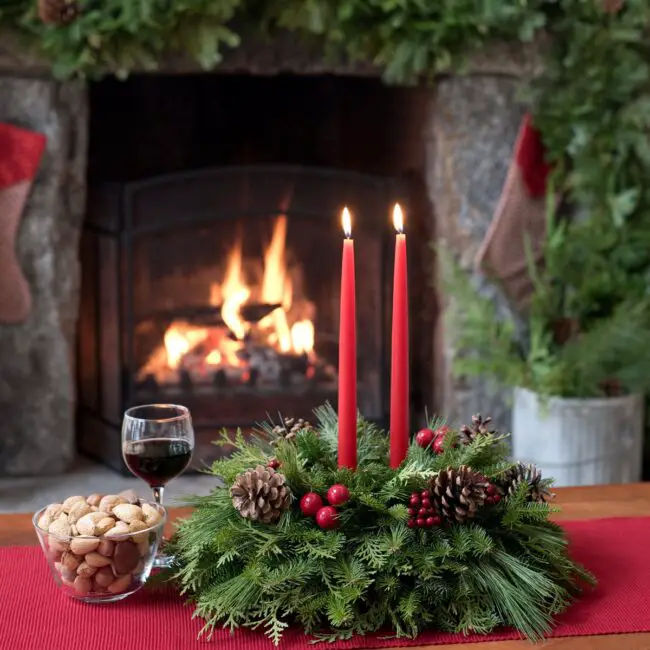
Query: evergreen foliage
x=592 y=107
x=508 y=567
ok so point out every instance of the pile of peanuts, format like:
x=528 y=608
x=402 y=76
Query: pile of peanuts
x=99 y=544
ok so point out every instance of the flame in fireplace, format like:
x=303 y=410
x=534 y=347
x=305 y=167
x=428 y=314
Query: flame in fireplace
x=262 y=321
x=234 y=292
x=302 y=336
x=277 y=287
x=179 y=340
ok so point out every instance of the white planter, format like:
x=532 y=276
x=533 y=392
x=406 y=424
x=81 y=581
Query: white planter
x=580 y=441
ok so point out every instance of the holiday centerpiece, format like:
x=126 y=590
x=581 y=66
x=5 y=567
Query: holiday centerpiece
x=342 y=529
x=455 y=538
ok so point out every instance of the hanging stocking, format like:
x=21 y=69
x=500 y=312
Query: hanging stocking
x=20 y=155
x=520 y=215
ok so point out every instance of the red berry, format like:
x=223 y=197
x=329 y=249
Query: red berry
x=422 y=512
x=429 y=522
x=426 y=502
x=425 y=494
x=437 y=521
x=274 y=463
x=437 y=444
x=420 y=522
x=497 y=498
x=412 y=512
x=415 y=494
x=310 y=504
x=424 y=437
x=429 y=512
x=490 y=489
x=442 y=431
x=411 y=523
x=490 y=501
x=415 y=501
x=338 y=494
x=327 y=517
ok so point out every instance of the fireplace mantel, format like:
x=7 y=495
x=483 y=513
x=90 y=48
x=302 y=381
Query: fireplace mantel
x=287 y=53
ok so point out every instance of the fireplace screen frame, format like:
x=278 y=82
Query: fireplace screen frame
x=120 y=213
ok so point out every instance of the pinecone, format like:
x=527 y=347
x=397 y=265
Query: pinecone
x=458 y=493
x=58 y=12
x=260 y=494
x=479 y=428
x=289 y=429
x=529 y=474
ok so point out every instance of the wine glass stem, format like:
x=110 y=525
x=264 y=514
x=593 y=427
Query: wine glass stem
x=158 y=494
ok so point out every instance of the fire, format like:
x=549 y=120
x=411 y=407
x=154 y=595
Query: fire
x=234 y=292
x=276 y=285
x=346 y=222
x=278 y=324
x=302 y=336
x=179 y=340
x=398 y=218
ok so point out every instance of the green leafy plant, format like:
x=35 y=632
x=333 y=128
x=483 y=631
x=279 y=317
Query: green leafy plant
x=591 y=107
x=609 y=355
x=116 y=36
x=507 y=566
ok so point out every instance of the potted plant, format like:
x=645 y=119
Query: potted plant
x=577 y=356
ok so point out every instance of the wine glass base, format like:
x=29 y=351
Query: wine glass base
x=163 y=561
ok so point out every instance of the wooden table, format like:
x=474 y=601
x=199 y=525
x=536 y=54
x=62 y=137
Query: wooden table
x=576 y=503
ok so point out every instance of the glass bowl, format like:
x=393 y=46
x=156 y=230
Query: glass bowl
x=104 y=568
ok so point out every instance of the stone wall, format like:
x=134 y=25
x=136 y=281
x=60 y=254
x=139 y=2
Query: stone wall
x=473 y=128
x=37 y=382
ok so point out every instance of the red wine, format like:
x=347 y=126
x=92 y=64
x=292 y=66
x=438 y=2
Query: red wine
x=158 y=460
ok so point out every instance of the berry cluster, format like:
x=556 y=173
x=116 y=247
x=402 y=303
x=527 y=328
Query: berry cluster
x=327 y=517
x=428 y=438
x=422 y=513
x=493 y=495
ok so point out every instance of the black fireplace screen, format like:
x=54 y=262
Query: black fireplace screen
x=219 y=290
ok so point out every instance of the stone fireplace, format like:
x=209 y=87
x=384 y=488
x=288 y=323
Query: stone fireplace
x=182 y=241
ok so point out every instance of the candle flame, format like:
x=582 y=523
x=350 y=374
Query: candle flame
x=346 y=220
x=398 y=218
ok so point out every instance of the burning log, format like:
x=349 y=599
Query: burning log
x=258 y=336
x=210 y=315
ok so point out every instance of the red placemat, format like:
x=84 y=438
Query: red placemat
x=34 y=614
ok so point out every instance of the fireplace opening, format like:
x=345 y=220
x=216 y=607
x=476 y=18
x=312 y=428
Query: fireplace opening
x=247 y=325
x=211 y=249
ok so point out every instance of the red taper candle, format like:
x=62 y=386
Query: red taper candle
x=347 y=353
x=399 y=378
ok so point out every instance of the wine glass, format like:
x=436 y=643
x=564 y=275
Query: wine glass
x=157 y=446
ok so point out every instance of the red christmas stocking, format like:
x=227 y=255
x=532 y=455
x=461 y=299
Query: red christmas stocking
x=20 y=155
x=520 y=215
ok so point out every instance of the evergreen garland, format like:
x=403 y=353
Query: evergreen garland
x=508 y=566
